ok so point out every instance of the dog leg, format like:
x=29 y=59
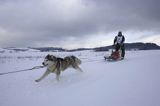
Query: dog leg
x=79 y=69
x=58 y=75
x=43 y=76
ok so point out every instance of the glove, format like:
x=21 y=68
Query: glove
x=114 y=46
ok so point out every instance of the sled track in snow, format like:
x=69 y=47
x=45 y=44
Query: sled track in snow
x=92 y=60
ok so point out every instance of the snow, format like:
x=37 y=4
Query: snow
x=133 y=81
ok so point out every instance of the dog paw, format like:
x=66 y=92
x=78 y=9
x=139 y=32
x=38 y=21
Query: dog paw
x=81 y=70
x=36 y=80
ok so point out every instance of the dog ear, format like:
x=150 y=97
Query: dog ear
x=53 y=58
x=48 y=56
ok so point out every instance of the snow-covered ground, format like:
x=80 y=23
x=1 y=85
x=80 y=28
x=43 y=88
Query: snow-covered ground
x=135 y=81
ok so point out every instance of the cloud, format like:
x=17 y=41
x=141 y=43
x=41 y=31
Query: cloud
x=61 y=22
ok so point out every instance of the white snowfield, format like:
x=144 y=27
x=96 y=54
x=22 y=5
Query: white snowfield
x=134 y=81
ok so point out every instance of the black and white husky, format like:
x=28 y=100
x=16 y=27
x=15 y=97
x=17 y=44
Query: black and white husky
x=56 y=65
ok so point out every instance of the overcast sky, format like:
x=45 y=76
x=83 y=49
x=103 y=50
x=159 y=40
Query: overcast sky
x=77 y=23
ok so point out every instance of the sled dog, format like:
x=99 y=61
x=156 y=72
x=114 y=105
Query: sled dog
x=56 y=65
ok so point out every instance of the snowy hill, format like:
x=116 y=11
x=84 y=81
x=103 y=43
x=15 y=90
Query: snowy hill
x=2 y=50
x=15 y=49
x=133 y=46
x=133 y=81
x=128 y=46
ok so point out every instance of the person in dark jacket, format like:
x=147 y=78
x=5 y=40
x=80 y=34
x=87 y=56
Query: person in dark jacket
x=119 y=43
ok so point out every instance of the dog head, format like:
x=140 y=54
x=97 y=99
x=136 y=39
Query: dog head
x=78 y=60
x=49 y=60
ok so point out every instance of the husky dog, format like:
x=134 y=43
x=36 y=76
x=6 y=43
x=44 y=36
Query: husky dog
x=56 y=65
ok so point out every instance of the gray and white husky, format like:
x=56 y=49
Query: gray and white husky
x=56 y=65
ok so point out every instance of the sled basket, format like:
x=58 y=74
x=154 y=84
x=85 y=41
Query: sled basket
x=115 y=55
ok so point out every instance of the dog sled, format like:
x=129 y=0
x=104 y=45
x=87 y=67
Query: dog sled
x=114 y=56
